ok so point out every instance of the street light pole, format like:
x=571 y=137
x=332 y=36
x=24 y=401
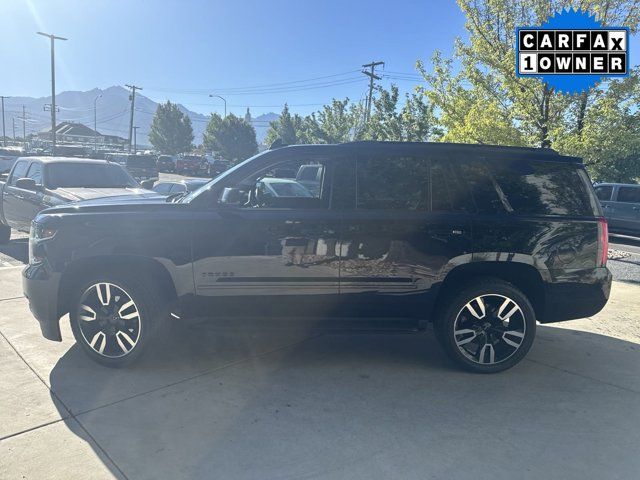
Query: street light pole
x=95 y=124
x=53 y=38
x=225 y=102
x=4 y=135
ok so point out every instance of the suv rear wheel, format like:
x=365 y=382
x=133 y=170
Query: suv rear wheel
x=114 y=317
x=488 y=327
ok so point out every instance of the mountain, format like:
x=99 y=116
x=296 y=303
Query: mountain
x=113 y=113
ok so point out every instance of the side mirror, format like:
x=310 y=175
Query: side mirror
x=148 y=184
x=26 y=184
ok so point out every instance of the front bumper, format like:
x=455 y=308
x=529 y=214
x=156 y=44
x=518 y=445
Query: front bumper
x=578 y=294
x=41 y=287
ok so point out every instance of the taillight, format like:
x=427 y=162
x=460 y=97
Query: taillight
x=603 y=241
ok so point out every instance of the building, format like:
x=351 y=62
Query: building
x=79 y=134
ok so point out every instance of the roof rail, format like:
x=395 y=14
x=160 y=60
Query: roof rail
x=277 y=143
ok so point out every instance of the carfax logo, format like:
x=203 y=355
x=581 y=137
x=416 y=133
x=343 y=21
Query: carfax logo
x=572 y=51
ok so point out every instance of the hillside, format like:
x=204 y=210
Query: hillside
x=112 y=113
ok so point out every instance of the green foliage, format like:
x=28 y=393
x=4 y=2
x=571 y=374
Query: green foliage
x=230 y=138
x=171 y=132
x=609 y=137
x=482 y=101
x=288 y=128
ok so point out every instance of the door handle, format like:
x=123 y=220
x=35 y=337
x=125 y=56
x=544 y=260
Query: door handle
x=635 y=208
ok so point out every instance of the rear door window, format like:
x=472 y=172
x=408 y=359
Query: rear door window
x=629 y=194
x=35 y=172
x=604 y=192
x=448 y=191
x=392 y=183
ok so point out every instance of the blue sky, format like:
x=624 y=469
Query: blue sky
x=172 y=47
x=182 y=50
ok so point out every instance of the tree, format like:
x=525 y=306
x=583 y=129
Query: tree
x=485 y=102
x=414 y=122
x=171 y=130
x=609 y=135
x=231 y=138
x=335 y=123
x=288 y=128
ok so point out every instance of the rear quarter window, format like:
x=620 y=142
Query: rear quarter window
x=528 y=187
x=629 y=194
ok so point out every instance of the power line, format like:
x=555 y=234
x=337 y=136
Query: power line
x=254 y=87
x=297 y=88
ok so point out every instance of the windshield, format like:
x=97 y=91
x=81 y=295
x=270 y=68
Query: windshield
x=99 y=175
x=188 y=198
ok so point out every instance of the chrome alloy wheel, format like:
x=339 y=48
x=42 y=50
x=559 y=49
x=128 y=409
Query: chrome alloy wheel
x=489 y=329
x=109 y=320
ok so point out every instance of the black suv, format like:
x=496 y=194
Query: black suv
x=480 y=240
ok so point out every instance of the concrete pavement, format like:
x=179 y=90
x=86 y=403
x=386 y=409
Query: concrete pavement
x=288 y=402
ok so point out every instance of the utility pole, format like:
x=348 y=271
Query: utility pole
x=4 y=136
x=24 y=128
x=133 y=102
x=135 y=140
x=53 y=38
x=372 y=76
x=95 y=124
x=13 y=120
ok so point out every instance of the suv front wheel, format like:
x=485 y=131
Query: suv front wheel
x=114 y=317
x=488 y=327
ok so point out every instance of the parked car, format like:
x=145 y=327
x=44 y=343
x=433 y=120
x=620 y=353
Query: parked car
x=621 y=205
x=192 y=165
x=480 y=240
x=166 y=164
x=77 y=151
x=36 y=183
x=216 y=167
x=8 y=156
x=187 y=185
x=141 y=167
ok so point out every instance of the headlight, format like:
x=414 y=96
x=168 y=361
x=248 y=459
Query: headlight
x=40 y=232
x=37 y=234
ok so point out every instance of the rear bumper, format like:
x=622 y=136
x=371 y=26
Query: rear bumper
x=40 y=286
x=577 y=295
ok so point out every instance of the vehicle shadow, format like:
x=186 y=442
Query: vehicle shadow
x=365 y=405
x=16 y=251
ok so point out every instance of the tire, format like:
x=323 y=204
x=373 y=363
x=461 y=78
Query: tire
x=118 y=334
x=487 y=327
x=5 y=234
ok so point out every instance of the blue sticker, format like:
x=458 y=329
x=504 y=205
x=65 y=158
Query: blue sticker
x=572 y=51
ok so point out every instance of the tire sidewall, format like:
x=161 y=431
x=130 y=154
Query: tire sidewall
x=446 y=323
x=143 y=302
